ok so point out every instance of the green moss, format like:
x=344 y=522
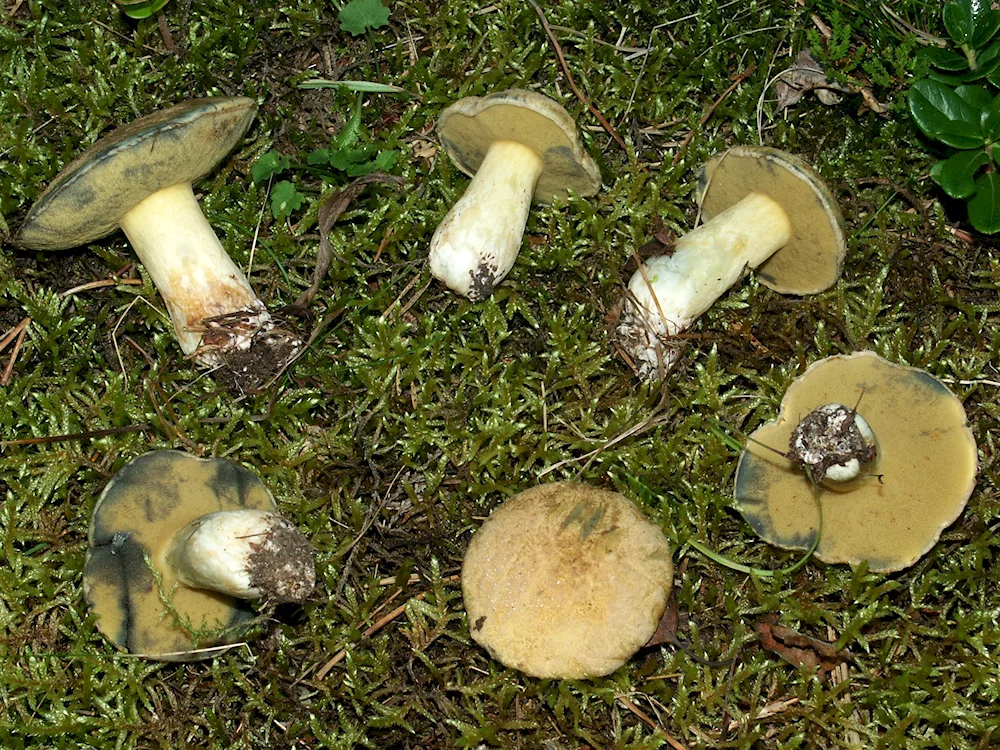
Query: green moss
x=415 y=412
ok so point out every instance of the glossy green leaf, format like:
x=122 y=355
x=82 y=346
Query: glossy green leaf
x=977 y=97
x=989 y=119
x=945 y=59
x=352 y=128
x=986 y=23
x=944 y=115
x=959 y=20
x=956 y=175
x=984 y=208
x=358 y=16
x=140 y=9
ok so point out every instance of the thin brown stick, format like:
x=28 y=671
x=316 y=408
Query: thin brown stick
x=13 y=333
x=627 y=702
x=9 y=369
x=78 y=435
x=101 y=284
x=708 y=112
x=569 y=76
x=377 y=626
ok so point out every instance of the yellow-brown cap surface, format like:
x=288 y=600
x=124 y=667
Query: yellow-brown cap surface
x=471 y=125
x=146 y=502
x=927 y=462
x=813 y=259
x=566 y=581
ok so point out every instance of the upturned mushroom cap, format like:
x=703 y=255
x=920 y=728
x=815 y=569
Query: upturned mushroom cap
x=469 y=126
x=180 y=144
x=140 y=510
x=814 y=258
x=566 y=581
x=926 y=460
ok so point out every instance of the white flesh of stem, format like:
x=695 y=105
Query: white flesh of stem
x=670 y=292
x=476 y=245
x=213 y=551
x=850 y=469
x=187 y=263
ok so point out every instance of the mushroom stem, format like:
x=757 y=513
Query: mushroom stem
x=476 y=245
x=244 y=553
x=669 y=292
x=187 y=263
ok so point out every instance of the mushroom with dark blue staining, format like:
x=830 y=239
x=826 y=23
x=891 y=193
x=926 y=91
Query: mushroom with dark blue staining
x=566 y=581
x=884 y=447
x=139 y=178
x=519 y=147
x=763 y=209
x=176 y=544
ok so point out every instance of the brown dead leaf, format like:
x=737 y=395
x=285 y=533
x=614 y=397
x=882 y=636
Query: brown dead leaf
x=806 y=74
x=797 y=649
x=329 y=212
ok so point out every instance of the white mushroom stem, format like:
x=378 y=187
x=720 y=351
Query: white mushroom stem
x=669 y=292
x=244 y=553
x=476 y=245
x=190 y=268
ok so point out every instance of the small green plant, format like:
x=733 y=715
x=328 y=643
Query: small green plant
x=139 y=9
x=360 y=16
x=346 y=156
x=958 y=104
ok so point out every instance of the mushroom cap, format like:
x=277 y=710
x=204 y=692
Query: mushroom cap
x=566 y=581
x=926 y=459
x=88 y=198
x=150 y=499
x=469 y=126
x=813 y=259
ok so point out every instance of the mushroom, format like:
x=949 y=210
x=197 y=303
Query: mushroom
x=175 y=543
x=518 y=146
x=890 y=482
x=766 y=210
x=139 y=178
x=566 y=581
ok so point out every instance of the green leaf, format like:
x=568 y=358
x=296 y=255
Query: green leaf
x=945 y=59
x=386 y=160
x=358 y=16
x=319 y=156
x=352 y=128
x=943 y=115
x=366 y=87
x=984 y=208
x=956 y=174
x=989 y=120
x=986 y=23
x=139 y=9
x=958 y=20
x=976 y=97
x=270 y=163
x=285 y=199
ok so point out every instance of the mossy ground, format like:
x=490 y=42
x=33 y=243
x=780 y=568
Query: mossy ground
x=415 y=412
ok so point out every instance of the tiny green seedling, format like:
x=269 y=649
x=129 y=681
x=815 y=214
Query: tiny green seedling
x=346 y=155
x=140 y=9
x=958 y=104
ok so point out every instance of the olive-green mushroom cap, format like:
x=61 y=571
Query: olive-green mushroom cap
x=471 y=125
x=814 y=258
x=924 y=473
x=172 y=146
x=126 y=577
x=566 y=581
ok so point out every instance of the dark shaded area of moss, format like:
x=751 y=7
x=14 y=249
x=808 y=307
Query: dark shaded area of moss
x=416 y=412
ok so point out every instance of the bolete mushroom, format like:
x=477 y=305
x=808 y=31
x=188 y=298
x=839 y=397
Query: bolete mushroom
x=176 y=543
x=139 y=178
x=766 y=210
x=566 y=581
x=890 y=483
x=519 y=147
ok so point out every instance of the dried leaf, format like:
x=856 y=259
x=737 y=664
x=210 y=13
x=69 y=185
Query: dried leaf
x=797 y=649
x=328 y=214
x=806 y=75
